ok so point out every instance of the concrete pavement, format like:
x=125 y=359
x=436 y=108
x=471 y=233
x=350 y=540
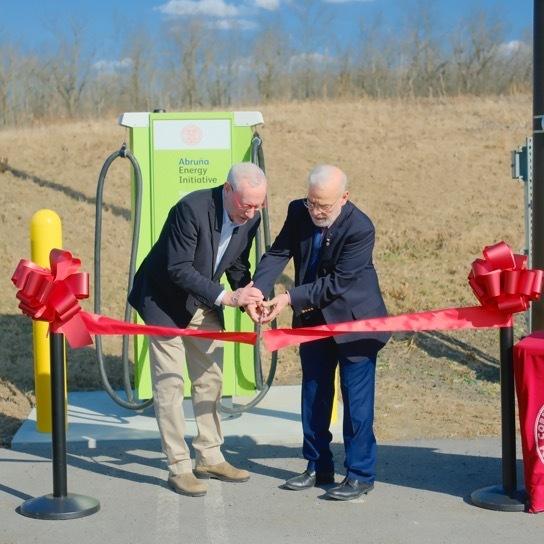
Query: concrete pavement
x=420 y=496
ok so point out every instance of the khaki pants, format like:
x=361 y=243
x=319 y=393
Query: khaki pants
x=204 y=363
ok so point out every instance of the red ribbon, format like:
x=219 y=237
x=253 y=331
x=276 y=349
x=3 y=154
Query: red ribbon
x=501 y=282
x=474 y=317
x=100 y=324
x=53 y=295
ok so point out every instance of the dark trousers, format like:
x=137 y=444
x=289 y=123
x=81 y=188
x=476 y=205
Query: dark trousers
x=357 y=378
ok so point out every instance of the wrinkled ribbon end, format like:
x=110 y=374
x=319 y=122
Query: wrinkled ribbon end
x=75 y=331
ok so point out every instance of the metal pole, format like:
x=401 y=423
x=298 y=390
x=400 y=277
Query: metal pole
x=508 y=412
x=505 y=497
x=60 y=504
x=58 y=406
x=538 y=153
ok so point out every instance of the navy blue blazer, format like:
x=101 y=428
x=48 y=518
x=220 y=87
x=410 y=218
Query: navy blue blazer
x=177 y=275
x=346 y=287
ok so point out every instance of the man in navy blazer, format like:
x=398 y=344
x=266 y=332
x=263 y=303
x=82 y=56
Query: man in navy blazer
x=331 y=243
x=207 y=233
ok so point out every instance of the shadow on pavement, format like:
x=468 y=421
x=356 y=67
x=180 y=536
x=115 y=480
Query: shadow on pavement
x=423 y=468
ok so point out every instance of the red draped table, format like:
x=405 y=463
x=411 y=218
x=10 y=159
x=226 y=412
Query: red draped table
x=529 y=376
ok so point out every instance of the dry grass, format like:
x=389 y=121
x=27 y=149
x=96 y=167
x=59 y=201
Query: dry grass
x=433 y=175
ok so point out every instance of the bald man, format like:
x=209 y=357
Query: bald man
x=208 y=233
x=331 y=243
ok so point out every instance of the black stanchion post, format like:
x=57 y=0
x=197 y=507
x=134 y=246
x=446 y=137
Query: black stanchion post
x=537 y=307
x=61 y=504
x=60 y=486
x=508 y=412
x=506 y=497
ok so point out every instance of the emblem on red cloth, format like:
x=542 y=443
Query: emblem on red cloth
x=539 y=433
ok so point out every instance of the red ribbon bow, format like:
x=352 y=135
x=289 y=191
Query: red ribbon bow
x=52 y=295
x=501 y=280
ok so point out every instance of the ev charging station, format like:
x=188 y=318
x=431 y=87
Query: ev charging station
x=174 y=154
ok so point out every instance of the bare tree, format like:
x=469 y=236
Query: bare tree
x=105 y=92
x=270 y=57
x=376 y=63
x=313 y=20
x=220 y=69
x=342 y=82
x=32 y=98
x=188 y=61
x=513 y=70
x=7 y=72
x=475 y=49
x=138 y=52
x=69 y=68
x=423 y=66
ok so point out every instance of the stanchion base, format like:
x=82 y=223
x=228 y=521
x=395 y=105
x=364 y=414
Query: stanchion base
x=495 y=498
x=71 y=506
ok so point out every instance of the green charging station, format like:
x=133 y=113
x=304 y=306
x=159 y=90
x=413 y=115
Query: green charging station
x=179 y=153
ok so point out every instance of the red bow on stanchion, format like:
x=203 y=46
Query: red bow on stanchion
x=501 y=280
x=53 y=295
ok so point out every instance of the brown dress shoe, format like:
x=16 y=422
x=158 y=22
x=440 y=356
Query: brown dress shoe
x=222 y=471
x=186 y=484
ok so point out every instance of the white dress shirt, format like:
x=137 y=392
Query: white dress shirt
x=227 y=228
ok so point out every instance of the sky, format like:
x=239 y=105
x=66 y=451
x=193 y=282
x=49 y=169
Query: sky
x=33 y=25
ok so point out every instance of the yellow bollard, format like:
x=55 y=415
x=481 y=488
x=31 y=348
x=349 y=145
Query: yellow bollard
x=336 y=399
x=45 y=235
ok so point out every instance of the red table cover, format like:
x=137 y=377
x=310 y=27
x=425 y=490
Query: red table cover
x=529 y=376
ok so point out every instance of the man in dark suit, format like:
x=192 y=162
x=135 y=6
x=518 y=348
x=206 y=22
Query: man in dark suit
x=331 y=243
x=207 y=233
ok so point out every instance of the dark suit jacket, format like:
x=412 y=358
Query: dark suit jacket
x=177 y=275
x=346 y=287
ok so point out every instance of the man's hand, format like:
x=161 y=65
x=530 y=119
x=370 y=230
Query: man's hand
x=249 y=295
x=256 y=311
x=243 y=296
x=275 y=306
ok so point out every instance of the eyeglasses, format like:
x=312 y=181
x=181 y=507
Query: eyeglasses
x=325 y=208
x=245 y=207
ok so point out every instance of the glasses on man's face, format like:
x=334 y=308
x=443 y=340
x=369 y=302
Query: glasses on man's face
x=245 y=207
x=323 y=208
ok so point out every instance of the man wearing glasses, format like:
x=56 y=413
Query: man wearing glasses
x=207 y=233
x=331 y=243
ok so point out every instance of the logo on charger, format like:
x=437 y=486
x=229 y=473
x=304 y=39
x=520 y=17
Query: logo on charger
x=191 y=134
x=539 y=434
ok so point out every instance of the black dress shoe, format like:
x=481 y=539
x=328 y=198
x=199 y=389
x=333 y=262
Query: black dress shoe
x=309 y=478
x=349 y=489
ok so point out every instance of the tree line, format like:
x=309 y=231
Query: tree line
x=190 y=65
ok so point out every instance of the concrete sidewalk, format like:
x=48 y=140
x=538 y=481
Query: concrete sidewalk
x=420 y=496
x=93 y=418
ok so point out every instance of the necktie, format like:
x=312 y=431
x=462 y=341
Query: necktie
x=317 y=238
